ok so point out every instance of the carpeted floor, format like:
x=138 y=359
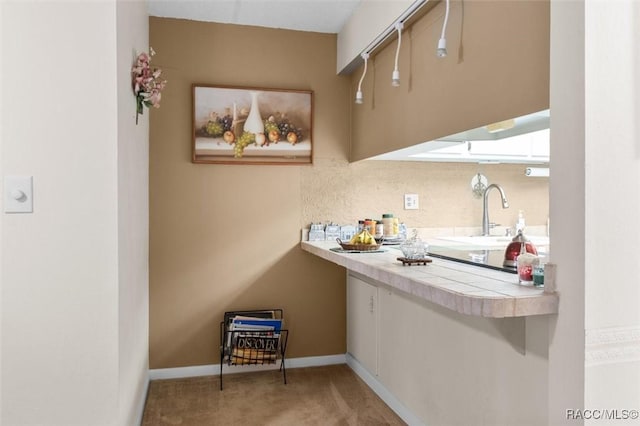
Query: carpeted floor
x=329 y=395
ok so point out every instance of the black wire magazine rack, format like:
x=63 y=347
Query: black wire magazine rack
x=254 y=337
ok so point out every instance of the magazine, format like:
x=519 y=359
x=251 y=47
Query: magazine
x=253 y=340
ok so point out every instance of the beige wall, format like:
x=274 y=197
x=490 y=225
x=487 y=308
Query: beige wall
x=346 y=192
x=497 y=68
x=226 y=237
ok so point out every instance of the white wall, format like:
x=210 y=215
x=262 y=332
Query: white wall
x=1 y=198
x=612 y=199
x=594 y=356
x=133 y=218
x=66 y=267
x=567 y=209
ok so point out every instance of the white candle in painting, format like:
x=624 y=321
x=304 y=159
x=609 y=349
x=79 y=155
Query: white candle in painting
x=254 y=124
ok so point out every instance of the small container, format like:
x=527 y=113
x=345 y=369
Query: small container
x=526 y=263
x=331 y=232
x=414 y=248
x=421 y=249
x=347 y=232
x=370 y=225
x=379 y=230
x=316 y=232
x=408 y=250
x=402 y=231
x=520 y=223
x=387 y=222
x=538 y=275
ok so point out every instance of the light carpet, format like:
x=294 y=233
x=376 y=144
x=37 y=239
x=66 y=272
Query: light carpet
x=328 y=395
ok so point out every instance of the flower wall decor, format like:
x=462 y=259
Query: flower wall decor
x=147 y=86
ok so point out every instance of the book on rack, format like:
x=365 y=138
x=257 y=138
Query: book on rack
x=241 y=322
x=254 y=349
x=253 y=340
x=252 y=356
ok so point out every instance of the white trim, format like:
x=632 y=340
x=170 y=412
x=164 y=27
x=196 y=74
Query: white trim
x=143 y=402
x=214 y=369
x=403 y=412
x=316 y=361
x=612 y=345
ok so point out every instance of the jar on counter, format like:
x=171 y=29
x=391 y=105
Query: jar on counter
x=526 y=263
x=538 y=275
x=379 y=230
x=370 y=225
x=389 y=228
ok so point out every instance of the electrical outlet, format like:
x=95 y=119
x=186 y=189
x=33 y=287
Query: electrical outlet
x=411 y=202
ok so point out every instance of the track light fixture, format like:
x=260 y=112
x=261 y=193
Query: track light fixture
x=441 y=52
x=359 y=97
x=395 y=76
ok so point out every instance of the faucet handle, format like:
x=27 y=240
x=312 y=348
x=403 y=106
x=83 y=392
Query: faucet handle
x=493 y=225
x=508 y=233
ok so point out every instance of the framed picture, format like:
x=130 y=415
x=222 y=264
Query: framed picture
x=246 y=125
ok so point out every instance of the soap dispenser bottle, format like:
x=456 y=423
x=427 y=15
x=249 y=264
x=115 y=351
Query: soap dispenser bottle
x=520 y=222
x=518 y=245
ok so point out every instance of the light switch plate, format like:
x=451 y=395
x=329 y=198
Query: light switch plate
x=18 y=194
x=411 y=202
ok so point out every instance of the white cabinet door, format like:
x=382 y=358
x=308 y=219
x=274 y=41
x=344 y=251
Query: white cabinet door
x=540 y=147
x=407 y=350
x=517 y=146
x=528 y=147
x=403 y=346
x=362 y=327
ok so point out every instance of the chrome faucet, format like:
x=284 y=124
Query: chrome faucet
x=485 y=210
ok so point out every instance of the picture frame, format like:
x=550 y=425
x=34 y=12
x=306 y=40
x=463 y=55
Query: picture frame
x=251 y=125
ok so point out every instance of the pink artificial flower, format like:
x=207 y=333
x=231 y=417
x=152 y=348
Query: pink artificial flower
x=146 y=82
x=155 y=99
x=143 y=58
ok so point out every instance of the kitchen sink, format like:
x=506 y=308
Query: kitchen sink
x=487 y=241
x=479 y=240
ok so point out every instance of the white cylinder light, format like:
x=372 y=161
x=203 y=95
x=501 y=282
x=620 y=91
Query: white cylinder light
x=442 y=48
x=441 y=52
x=536 y=171
x=359 y=97
x=395 y=76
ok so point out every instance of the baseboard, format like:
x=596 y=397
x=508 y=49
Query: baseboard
x=403 y=412
x=214 y=369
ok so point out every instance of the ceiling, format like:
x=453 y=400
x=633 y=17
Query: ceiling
x=324 y=16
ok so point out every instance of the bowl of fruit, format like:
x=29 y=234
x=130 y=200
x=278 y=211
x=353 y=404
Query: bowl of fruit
x=362 y=241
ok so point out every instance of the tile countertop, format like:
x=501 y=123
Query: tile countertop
x=466 y=289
